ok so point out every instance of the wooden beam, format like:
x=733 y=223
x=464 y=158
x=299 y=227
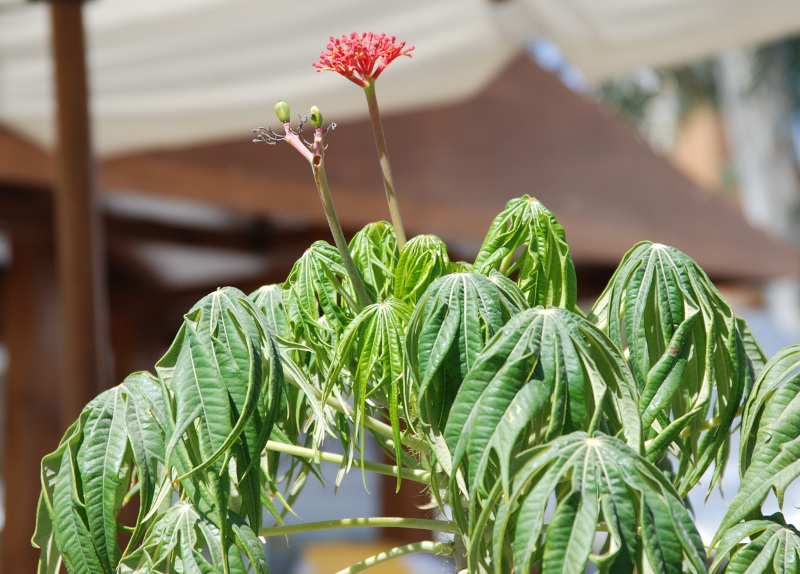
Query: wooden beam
x=79 y=240
x=23 y=163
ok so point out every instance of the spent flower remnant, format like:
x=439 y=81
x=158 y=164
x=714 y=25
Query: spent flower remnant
x=361 y=58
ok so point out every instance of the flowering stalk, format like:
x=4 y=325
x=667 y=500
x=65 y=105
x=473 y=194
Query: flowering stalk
x=383 y=158
x=361 y=59
x=318 y=167
x=314 y=152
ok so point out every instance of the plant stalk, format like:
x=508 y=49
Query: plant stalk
x=439 y=548
x=374 y=522
x=318 y=167
x=415 y=475
x=383 y=158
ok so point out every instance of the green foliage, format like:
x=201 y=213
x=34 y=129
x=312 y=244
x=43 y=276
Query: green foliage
x=598 y=479
x=686 y=352
x=526 y=241
x=756 y=546
x=541 y=432
x=453 y=321
x=547 y=372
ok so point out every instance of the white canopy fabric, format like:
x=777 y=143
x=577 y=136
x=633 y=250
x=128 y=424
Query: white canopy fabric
x=166 y=73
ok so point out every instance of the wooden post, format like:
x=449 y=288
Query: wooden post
x=79 y=241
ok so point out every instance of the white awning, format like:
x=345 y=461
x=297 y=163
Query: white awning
x=171 y=72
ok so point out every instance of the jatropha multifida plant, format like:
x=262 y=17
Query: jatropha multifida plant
x=548 y=438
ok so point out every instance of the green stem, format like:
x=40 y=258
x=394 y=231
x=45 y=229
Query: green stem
x=439 y=548
x=413 y=474
x=318 y=167
x=506 y=262
x=710 y=423
x=704 y=426
x=374 y=522
x=383 y=157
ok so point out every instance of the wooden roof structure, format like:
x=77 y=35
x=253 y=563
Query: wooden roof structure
x=456 y=166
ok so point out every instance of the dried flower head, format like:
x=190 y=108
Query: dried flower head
x=361 y=59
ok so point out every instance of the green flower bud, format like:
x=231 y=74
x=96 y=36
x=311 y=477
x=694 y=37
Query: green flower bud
x=316 y=117
x=282 y=111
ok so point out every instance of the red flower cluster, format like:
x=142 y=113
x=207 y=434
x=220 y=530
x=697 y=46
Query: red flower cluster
x=356 y=57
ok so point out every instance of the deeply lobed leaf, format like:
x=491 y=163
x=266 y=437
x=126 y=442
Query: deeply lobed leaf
x=375 y=254
x=759 y=546
x=686 y=352
x=450 y=325
x=422 y=261
x=526 y=241
x=372 y=351
x=85 y=481
x=547 y=372
x=597 y=479
x=770 y=443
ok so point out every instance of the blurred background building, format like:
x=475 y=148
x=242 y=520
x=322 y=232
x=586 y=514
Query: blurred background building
x=129 y=186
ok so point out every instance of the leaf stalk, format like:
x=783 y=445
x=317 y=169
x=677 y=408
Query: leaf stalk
x=413 y=474
x=440 y=548
x=375 y=522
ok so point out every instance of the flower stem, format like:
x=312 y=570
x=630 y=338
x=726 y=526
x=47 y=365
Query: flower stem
x=318 y=167
x=383 y=157
x=292 y=139
x=439 y=548
x=413 y=474
x=381 y=521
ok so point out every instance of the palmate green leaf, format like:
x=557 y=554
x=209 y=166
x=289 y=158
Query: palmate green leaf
x=317 y=282
x=269 y=299
x=318 y=301
x=85 y=481
x=65 y=515
x=102 y=462
x=759 y=546
x=547 y=372
x=599 y=479
x=145 y=425
x=525 y=240
x=686 y=352
x=44 y=539
x=375 y=254
x=211 y=371
x=233 y=371
x=770 y=447
x=372 y=351
x=250 y=364
x=771 y=406
x=450 y=325
x=423 y=260
x=182 y=540
x=200 y=398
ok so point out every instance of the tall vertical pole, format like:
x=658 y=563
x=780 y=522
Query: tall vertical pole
x=79 y=240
